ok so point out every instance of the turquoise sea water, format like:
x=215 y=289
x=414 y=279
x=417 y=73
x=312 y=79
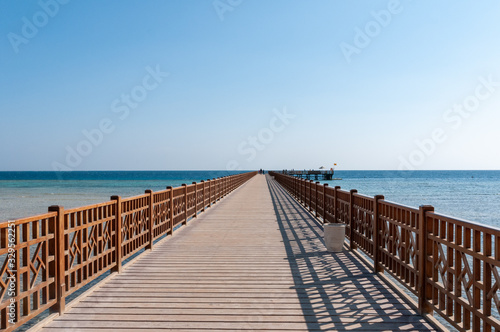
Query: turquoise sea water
x=24 y=194
x=471 y=195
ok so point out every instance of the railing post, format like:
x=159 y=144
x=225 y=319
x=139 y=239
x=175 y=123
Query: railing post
x=219 y=195
x=209 y=192
x=305 y=192
x=316 y=197
x=335 y=205
x=203 y=195
x=425 y=266
x=377 y=268
x=310 y=193
x=216 y=190
x=351 y=219
x=171 y=232
x=487 y=270
x=60 y=258
x=118 y=233
x=150 y=217
x=302 y=190
x=299 y=190
x=195 y=199
x=325 y=186
x=184 y=222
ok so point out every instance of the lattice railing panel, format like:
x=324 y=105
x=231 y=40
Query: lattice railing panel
x=135 y=224
x=399 y=250
x=363 y=225
x=27 y=275
x=179 y=205
x=88 y=244
x=329 y=204
x=465 y=281
x=161 y=213
x=191 y=200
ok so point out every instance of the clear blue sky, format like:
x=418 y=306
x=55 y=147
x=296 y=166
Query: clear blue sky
x=364 y=84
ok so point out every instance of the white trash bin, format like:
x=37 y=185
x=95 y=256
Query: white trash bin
x=334 y=237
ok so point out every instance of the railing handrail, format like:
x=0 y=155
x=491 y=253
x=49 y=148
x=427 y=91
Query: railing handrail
x=464 y=222
x=64 y=250
x=452 y=265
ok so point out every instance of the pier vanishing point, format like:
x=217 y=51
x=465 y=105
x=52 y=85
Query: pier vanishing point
x=244 y=252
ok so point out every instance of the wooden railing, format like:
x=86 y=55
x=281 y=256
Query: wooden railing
x=451 y=265
x=47 y=257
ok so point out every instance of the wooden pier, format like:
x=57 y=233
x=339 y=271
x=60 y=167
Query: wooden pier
x=311 y=174
x=254 y=261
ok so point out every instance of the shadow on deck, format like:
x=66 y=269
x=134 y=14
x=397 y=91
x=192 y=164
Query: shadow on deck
x=336 y=290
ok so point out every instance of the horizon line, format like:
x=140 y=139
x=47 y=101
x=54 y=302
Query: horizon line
x=245 y=170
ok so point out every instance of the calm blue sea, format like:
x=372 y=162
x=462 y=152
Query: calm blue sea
x=472 y=195
x=24 y=194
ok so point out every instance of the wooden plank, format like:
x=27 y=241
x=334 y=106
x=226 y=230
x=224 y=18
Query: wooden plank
x=297 y=305
x=213 y=299
x=100 y=319
x=231 y=311
x=162 y=289
x=232 y=285
x=254 y=324
x=267 y=329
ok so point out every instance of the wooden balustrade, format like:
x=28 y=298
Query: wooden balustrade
x=451 y=265
x=47 y=257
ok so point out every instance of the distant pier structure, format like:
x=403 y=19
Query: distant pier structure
x=311 y=174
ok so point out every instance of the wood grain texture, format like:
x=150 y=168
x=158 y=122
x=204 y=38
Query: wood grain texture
x=254 y=261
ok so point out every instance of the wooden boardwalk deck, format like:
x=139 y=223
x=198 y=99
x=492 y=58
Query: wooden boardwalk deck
x=254 y=261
